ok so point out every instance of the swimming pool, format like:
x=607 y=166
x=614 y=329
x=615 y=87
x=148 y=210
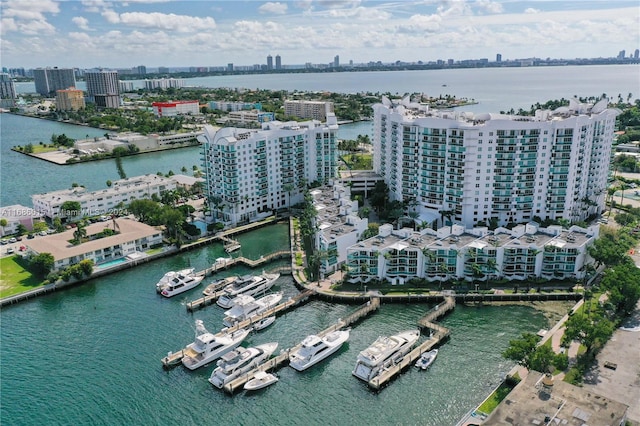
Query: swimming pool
x=111 y=263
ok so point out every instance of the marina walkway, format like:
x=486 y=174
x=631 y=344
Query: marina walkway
x=283 y=357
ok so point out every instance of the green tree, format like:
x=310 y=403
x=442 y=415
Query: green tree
x=145 y=210
x=21 y=229
x=542 y=358
x=42 y=263
x=79 y=233
x=28 y=148
x=521 y=350
x=109 y=183
x=86 y=266
x=623 y=285
x=70 y=209
x=592 y=331
x=3 y=223
x=57 y=224
x=288 y=188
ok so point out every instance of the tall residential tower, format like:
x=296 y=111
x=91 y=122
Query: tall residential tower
x=250 y=173
x=103 y=87
x=49 y=80
x=492 y=168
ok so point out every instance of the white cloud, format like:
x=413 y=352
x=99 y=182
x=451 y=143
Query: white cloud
x=275 y=8
x=531 y=10
x=8 y=25
x=28 y=16
x=163 y=21
x=429 y=23
x=361 y=13
x=338 y=4
x=81 y=22
x=489 y=6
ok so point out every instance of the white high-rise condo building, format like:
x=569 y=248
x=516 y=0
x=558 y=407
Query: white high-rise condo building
x=104 y=88
x=250 y=173
x=492 y=168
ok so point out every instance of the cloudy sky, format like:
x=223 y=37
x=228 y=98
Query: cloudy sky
x=123 y=34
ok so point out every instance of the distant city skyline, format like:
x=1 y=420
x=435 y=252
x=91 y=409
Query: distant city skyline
x=161 y=33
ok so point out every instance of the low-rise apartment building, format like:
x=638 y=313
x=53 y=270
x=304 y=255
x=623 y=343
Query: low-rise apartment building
x=451 y=252
x=130 y=237
x=112 y=200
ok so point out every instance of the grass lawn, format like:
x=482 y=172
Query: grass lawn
x=154 y=251
x=14 y=279
x=495 y=398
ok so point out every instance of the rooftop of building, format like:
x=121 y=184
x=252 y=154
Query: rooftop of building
x=533 y=403
x=117 y=186
x=60 y=247
x=415 y=110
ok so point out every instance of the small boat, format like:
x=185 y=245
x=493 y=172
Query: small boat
x=166 y=278
x=384 y=352
x=260 y=380
x=245 y=307
x=248 y=285
x=181 y=283
x=208 y=347
x=314 y=349
x=239 y=361
x=231 y=247
x=218 y=285
x=264 y=323
x=426 y=359
x=221 y=262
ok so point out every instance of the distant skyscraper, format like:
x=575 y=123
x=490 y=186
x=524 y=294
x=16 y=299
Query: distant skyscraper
x=230 y=66
x=7 y=91
x=336 y=61
x=498 y=57
x=636 y=54
x=103 y=87
x=49 y=80
x=140 y=69
x=269 y=62
x=278 y=62
x=163 y=70
x=621 y=54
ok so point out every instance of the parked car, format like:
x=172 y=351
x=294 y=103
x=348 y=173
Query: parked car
x=12 y=240
x=4 y=242
x=43 y=233
x=10 y=251
x=30 y=237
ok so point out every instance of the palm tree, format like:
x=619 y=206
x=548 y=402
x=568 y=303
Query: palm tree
x=3 y=223
x=287 y=187
x=79 y=233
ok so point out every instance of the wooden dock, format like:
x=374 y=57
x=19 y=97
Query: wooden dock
x=245 y=261
x=437 y=333
x=283 y=357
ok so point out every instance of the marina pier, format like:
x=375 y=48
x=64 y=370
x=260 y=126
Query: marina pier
x=283 y=357
x=437 y=333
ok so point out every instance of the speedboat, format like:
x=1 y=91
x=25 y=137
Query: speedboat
x=264 y=323
x=260 y=380
x=239 y=361
x=218 y=285
x=181 y=283
x=426 y=359
x=208 y=347
x=231 y=247
x=245 y=307
x=166 y=278
x=247 y=284
x=384 y=351
x=314 y=349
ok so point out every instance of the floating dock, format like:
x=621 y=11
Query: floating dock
x=283 y=357
x=438 y=334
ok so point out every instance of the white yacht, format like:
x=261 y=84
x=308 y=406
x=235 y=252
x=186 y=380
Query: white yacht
x=245 y=307
x=218 y=285
x=181 y=283
x=239 y=361
x=249 y=285
x=260 y=380
x=384 y=351
x=314 y=349
x=166 y=278
x=426 y=359
x=264 y=323
x=208 y=347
